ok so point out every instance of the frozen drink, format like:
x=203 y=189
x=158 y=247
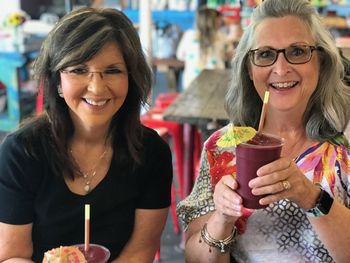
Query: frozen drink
x=95 y=254
x=251 y=155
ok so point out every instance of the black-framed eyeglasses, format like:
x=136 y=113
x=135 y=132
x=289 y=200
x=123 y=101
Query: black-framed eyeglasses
x=296 y=54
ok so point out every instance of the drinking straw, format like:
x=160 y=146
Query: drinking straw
x=87 y=228
x=263 y=111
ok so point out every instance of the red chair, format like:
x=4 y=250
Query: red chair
x=154 y=119
x=165 y=99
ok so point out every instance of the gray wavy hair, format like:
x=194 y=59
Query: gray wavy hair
x=327 y=113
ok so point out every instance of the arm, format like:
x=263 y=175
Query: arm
x=16 y=243
x=220 y=223
x=219 y=208
x=145 y=239
x=197 y=251
x=15 y=202
x=332 y=228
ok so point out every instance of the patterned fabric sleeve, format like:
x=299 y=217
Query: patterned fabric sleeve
x=200 y=201
x=214 y=164
x=328 y=164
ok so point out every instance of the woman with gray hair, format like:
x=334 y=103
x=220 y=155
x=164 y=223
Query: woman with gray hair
x=287 y=51
x=88 y=147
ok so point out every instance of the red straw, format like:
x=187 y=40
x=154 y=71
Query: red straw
x=87 y=228
x=263 y=111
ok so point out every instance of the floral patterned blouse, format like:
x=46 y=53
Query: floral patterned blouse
x=280 y=232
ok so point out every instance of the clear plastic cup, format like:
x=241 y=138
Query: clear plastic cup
x=95 y=254
x=261 y=150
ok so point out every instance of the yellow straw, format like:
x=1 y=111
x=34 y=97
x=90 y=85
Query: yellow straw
x=263 y=111
x=87 y=228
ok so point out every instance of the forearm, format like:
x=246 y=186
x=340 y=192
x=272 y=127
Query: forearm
x=333 y=230
x=145 y=240
x=197 y=250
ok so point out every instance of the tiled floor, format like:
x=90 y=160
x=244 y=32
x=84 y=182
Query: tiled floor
x=170 y=248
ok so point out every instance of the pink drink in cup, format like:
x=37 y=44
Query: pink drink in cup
x=261 y=150
x=95 y=254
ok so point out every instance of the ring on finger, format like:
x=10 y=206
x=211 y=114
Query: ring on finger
x=286 y=185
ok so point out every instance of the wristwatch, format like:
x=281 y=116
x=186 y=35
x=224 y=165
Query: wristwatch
x=323 y=205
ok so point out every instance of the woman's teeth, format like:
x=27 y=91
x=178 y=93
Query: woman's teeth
x=284 y=85
x=96 y=103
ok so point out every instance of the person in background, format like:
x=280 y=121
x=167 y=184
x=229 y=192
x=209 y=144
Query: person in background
x=234 y=31
x=97 y=3
x=88 y=147
x=205 y=47
x=287 y=51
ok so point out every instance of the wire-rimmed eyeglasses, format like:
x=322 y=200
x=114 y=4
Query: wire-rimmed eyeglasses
x=109 y=75
x=296 y=54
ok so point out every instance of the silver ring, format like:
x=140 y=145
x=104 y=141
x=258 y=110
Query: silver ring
x=286 y=185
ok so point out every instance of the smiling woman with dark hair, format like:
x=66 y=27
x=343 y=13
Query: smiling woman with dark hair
x=88 y=147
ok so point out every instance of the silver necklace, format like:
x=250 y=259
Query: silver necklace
x=90 y=174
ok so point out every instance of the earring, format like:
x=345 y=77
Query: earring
x=59 y=90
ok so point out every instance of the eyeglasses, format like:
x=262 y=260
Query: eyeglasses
x=297 y=54
x=83 y=75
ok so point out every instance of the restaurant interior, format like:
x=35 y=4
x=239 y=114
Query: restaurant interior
x=185 y=117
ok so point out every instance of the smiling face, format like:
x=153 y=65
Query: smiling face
x=95 y=90
x=290 y=85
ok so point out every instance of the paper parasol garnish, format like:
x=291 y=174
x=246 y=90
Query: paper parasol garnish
x=236 y=135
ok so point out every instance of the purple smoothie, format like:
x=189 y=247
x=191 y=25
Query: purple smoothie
x=261 y=150
x=96 y=253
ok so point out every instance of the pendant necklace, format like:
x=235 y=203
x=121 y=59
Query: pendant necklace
x=89 y=175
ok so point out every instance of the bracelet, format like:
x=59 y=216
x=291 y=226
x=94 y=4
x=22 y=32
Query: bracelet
x=222 y=244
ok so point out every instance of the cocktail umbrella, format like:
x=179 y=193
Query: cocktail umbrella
x=235 y=135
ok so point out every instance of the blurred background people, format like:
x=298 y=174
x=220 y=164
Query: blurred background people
x=204 y=47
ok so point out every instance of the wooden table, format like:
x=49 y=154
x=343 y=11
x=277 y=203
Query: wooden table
x=201 y=103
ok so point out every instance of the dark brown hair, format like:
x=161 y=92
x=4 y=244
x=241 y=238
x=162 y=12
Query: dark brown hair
x=75 y=39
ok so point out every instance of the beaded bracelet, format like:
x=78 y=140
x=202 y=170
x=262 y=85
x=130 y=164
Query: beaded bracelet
x=222 y=244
